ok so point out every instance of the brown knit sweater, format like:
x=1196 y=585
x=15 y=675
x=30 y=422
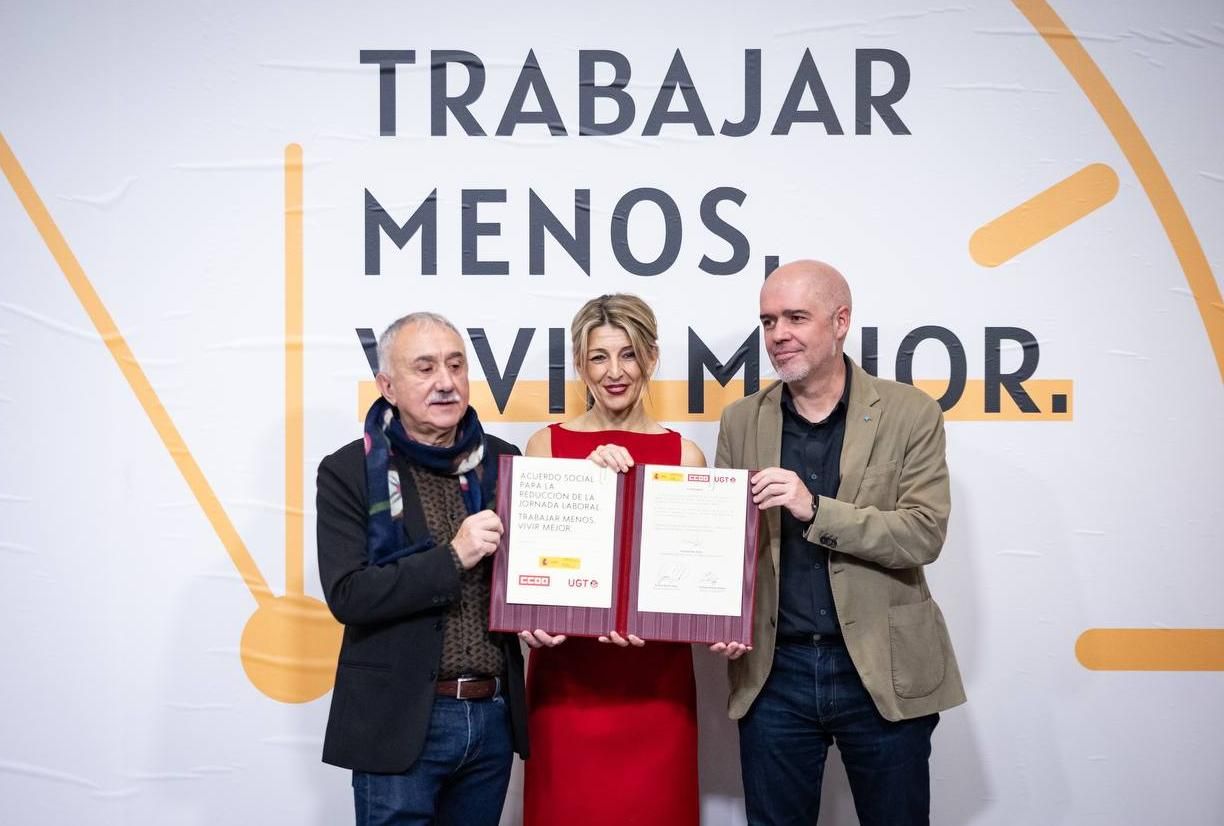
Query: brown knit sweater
x=467 y=649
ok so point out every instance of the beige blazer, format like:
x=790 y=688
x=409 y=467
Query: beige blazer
x=887 y=522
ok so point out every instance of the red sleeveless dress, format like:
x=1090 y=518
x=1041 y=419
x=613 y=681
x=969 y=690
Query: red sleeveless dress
x=613 y=730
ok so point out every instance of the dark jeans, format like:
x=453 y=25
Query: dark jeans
x=460 y=779
x=814 y=698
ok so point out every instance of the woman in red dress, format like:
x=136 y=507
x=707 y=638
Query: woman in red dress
x=613 y=721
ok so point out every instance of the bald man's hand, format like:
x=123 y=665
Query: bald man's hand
x=778 y=487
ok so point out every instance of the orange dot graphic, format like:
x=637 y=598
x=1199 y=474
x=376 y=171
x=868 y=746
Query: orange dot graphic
x=289 y=649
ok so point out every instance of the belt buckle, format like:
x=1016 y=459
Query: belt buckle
x=461 y=681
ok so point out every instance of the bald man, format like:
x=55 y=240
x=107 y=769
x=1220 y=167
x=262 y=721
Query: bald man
x=850 y=648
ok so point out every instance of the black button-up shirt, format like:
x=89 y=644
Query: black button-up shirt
x=813 y=451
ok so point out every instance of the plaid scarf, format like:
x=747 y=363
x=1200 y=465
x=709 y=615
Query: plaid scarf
x=385 y=437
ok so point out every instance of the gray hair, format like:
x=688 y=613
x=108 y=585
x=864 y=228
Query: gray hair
x=387 y=339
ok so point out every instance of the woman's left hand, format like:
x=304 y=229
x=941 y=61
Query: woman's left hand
x=617 y=639
x=730 y=650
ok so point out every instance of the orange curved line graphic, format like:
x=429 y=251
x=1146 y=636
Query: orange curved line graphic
x=1067 y=48
x=135 y=375
x=1142 y=649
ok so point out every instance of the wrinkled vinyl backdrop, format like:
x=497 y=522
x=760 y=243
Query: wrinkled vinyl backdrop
x=206 y=206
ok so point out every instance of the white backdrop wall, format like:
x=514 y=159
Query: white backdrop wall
x=155 y=134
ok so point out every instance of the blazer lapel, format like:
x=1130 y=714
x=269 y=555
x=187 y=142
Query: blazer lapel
x=862 y=419
x=769 y=454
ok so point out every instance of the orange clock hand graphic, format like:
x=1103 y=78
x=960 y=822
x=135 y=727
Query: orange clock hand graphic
x=1114 y=649
x=289 y=645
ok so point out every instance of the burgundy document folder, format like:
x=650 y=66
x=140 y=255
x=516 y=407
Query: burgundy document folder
x=623 y=616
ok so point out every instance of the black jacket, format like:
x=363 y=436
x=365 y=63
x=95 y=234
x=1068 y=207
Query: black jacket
x=393 y=620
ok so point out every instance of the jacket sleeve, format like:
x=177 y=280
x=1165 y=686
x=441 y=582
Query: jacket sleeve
x=722 y=454
x=360 y=593
x=912 y=535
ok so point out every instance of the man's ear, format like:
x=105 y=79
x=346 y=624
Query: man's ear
x=841 y=322
x=384 y=387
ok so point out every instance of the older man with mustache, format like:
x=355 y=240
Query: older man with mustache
x=428 y=705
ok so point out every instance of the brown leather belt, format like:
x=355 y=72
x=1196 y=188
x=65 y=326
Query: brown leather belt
x=469 y=688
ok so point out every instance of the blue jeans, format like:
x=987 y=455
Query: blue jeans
x=814 y=698
x=459 y=779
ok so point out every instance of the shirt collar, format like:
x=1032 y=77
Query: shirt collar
x=788 y=401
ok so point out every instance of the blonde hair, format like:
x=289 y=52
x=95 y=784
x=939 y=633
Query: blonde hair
x=623 y=311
